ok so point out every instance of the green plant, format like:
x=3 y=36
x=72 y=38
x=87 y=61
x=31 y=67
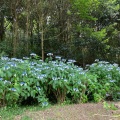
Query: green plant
x=109 y=106
x=108 y=79
x=26 y=118
x=44 y=82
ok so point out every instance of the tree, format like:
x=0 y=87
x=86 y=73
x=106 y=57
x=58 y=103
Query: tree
x=78 y=29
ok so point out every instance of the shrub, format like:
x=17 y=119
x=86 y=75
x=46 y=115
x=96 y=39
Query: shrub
x=44 y=82
x=108 y=80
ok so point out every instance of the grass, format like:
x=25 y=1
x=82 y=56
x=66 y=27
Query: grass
x=26 y=118
x=8 y=113
x=108 y=106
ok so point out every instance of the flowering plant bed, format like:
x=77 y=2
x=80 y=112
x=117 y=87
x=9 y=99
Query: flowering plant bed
x=31 y=80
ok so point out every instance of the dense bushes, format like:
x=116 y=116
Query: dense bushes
x=56 y=81
x=108 y=79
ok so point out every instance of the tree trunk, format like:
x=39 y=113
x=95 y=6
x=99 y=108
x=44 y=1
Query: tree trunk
x=42 y=38
x=15 y=37
x=2 y=32
x=27 y=28
x=15 y=28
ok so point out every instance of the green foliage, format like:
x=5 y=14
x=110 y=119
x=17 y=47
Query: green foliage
x=26 y=118
x=99 y=35
x=90 y=24
x=82 y=8
x=109 y=106
x=18 y=84
x=32 y=78
x=108 y=79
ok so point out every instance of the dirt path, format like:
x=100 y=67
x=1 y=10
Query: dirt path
x=87 y=111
